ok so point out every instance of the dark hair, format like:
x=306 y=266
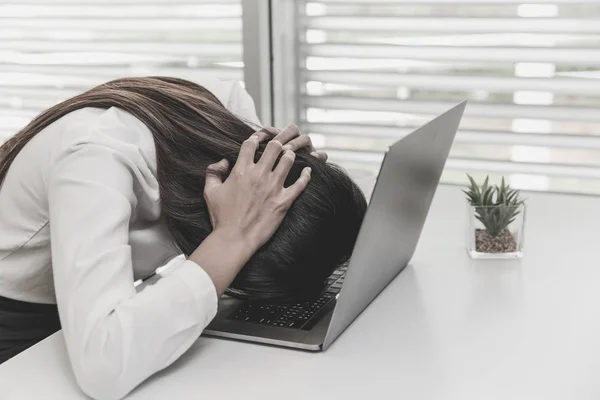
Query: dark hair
x=192 y=130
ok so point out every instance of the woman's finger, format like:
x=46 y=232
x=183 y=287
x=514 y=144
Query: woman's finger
x=301 y=142
x=247 y=152
x=262 y=135
x=284 y=166
x=269 y=156
x=292 y=192
x=287 y=134
x=215 y=174
x=266 y=133
x=321 y=155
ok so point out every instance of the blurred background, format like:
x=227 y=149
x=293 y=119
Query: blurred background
x=355 y=75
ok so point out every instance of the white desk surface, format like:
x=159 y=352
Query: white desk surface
x=446 y=328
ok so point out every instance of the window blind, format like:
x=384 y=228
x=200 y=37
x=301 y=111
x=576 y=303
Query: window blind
x=371 y=71
x=53 y=49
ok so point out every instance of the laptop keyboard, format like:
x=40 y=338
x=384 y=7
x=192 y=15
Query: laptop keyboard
x=295 y=314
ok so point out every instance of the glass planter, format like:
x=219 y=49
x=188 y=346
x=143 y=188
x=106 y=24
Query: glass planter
x=495 y=232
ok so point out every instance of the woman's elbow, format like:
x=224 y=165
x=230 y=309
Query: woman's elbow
x=101 y=382
x=100 y=365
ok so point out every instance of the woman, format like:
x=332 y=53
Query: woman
x=104 y=188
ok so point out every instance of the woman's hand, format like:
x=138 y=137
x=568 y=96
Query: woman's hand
x=250 y=205
x=245 y=209
x=293 y=139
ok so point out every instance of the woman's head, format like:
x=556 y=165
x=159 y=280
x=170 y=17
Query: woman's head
x=192 y=130
x=317 y=235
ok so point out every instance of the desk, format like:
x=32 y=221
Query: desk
x=447 y=328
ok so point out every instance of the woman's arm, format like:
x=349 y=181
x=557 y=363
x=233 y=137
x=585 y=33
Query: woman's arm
x=115 y=337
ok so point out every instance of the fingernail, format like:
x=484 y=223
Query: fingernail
x=254 y=137
x=286 y=147
x=308 y=170
x=314 y=154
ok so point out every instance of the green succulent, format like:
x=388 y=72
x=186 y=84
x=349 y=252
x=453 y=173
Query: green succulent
x=495 y=206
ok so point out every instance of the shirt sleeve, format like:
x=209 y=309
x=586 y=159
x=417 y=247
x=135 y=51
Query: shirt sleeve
x=115 y=336
x=241 y=104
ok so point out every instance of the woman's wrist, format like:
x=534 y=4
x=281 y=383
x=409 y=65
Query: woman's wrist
x=222 y=255
x=234 y=241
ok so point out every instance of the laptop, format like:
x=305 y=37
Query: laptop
x=407 y=180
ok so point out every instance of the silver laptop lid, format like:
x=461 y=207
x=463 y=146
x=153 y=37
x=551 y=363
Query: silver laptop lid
x=390 y=231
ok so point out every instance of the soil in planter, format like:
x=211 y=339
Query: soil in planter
x=486 y=243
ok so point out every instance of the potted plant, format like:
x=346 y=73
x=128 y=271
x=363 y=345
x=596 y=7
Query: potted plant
x=496 y=220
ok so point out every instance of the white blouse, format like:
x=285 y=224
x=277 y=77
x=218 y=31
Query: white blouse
x=80 y=221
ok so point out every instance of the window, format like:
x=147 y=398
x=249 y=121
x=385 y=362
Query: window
x=355 y=74
x=372 y=71
x=54 y=49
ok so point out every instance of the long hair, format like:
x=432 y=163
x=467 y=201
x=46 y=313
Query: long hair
x=192 y=130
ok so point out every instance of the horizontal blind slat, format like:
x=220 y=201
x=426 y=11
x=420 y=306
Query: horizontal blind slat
x=487 y=166
x=205 y=49
x=39 y=12
x=17 y=113
x=83 y=75
x=586 y=56
x=514 y=167
x=454 y=25
x=458 y=2
x=119 y=2
x=463 y=136
x=125 y=24
x=457 y=82
x=32 y=103
x=473 y=109
x=36 y=92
